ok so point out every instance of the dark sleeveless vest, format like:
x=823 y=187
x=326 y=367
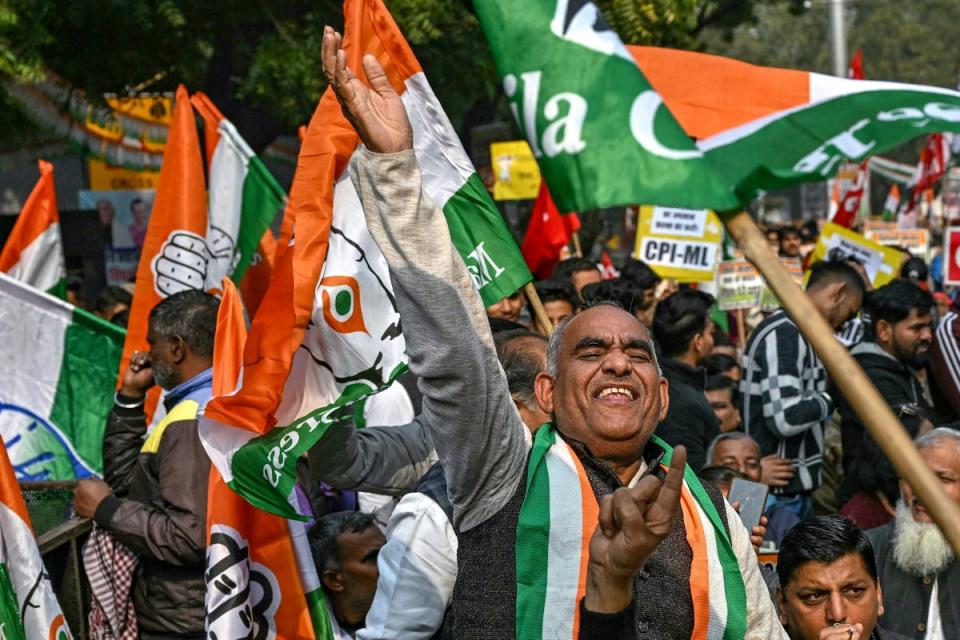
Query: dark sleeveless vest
x=484 y=598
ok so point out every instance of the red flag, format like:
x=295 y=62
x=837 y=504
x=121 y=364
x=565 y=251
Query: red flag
x=548 y=233
x=609 y=272
x=850 y=192
x=932 y=166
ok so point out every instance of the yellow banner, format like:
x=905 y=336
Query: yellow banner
x=106 y=177
x=515 y=170
x=683 y=244
x=881 y=263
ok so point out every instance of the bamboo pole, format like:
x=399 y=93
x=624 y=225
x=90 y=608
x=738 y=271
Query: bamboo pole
x=741 y=331
x=848 y=376
x=577 y=249
x=538 y=309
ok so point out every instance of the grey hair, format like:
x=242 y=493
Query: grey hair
x=323 y=536
x=934 y=437
x=190 y=315
x=723 y=437
x=555 y=344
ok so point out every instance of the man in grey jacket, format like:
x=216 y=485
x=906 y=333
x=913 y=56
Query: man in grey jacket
x=603 y=389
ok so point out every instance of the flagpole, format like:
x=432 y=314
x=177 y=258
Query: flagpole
x=538 y=309
x=847 y=374
x=577 y=249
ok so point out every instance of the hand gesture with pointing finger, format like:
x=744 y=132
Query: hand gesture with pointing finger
x=376 y=112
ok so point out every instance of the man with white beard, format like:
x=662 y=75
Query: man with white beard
x=918 y=574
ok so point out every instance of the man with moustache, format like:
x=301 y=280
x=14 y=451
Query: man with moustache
x=918 y=572
x=898 y=341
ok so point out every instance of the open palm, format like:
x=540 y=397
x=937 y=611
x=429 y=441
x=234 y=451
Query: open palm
x=376 y=112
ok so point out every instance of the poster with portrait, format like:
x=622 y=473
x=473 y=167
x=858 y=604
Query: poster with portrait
x=125 y=212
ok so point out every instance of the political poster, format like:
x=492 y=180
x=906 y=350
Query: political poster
x=837 y=243
x=916 y=241
x=515 y=170
x=870 y=226
x=951 y=256
x=768 y=299
x=740 y=285
x=683 y=244
x=127 y=212
x=104 y=176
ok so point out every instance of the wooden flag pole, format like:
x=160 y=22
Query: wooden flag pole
x=741 y=331
x=577 y=249
x=538 y=309
x=847 y=374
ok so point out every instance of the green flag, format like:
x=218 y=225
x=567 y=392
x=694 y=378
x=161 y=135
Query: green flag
x=598 y=129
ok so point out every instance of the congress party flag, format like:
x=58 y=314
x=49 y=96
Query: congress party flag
x=261 y=581
x=328 y=331
x=194 y=240
x=28 y=605
x=33 y=253
x=57 y=368
x=764 y=128
x=596 y=125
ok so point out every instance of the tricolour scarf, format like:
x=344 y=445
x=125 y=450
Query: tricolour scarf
x=557 y=520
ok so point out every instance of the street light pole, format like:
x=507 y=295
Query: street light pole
x=838 y=37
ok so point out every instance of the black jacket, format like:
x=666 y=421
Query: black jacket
x=866 y=468
x=906 y=598
x=690 y=420
x=159 y=510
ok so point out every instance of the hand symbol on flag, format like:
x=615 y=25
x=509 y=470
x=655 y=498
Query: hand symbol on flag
x=181 y=263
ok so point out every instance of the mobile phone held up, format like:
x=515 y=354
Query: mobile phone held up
x=752 y=497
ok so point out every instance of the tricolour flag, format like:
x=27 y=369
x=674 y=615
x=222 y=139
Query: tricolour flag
x=261 y=580
x=547 y=234
x=33 y=254
x=328 y=331
x=194 y=240
x=892 y=203
x=57 y=369
x=28 y=606
x=849 y=192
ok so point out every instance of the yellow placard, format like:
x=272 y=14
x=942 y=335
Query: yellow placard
x=515 y=170
x=881 y=263
x=683 y=244
x=149 y=108
x=106 y=177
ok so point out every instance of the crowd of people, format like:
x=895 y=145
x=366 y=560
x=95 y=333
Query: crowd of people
x=572 y=480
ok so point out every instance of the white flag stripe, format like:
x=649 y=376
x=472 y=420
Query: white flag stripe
x=228 y=170
x=566 y=533
x=41 y=261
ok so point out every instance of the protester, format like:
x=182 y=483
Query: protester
x=684 y=332
x=603 y=389
x=577 y=271
x=112 y=301
x=915 y=270
x=508 y=308
x=345 y=547
x=945 y=363
x=721 y=477
x=154 y=497
x=783 y=395
x=828 y=583
x=789 y=241
x=559 y=300
x=898 y=342
x=918 y=570
x=773 y=239
x=739 y=451
x=640 y=274
x=720 y=394
x=723 y=346
x=721 y=364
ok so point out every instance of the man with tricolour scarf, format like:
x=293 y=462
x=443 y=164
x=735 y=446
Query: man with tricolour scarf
x=669 y=559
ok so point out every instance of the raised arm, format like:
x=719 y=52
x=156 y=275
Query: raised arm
x=467 y=407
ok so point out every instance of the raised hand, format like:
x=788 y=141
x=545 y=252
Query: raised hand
x=632 y=523
x=776 y=471
x=377 y=112
x=138 y=377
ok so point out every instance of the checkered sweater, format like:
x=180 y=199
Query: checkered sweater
x=783 y=398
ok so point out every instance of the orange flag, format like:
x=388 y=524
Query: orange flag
x=257 y=278
x=254 y=584
x=33 y=253
x=174 y=253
